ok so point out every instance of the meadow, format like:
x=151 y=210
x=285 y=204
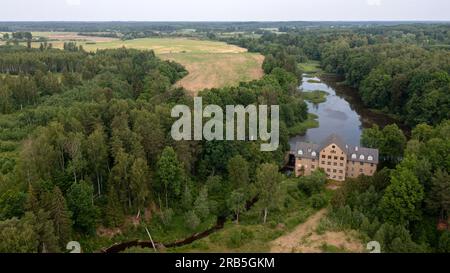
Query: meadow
x=210 y=64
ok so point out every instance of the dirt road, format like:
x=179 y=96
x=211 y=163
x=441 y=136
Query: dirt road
x=304 y=239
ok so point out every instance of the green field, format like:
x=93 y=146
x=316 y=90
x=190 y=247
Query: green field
x=210 y=64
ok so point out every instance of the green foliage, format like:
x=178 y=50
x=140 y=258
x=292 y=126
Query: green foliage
x=140 y=183
x=315 y=97
x=80 y=202
x=444 y=242
x=170 y=173
x=312 y=184
x=61 y=216
x=268 y=180
x=238 y=173
x=239 y=236
x=191 y=219
x=438 y=198
x=403 y=197
x=318 y=201
x=201 y=204
x=390 y=141
x=12 y=204
x=237 y=202
x=18 y=236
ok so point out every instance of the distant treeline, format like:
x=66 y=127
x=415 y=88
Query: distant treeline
x=398 y=69
x=172 y=26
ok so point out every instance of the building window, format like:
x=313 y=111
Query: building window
x=342 y=158
x=329 y=163
x=335 y=158
x=371 y=164
x=340 y=177
x=323 y=162
x=335 y=164
x=341 y=171
x=323 y=156
x=329 y=157
x=334 y=170
x=361 y=170
x=333 y=146
x=341 y=164
x=328 y=170
x=313 y=166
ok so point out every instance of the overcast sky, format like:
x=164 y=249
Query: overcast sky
x=223 y=10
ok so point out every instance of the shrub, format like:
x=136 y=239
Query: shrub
x=239 y=236
x=312 y=184
x=235 y=239
x=444 y=243
x=191 y=220
x=318 y=201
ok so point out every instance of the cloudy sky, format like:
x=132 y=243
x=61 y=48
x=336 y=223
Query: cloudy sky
x=223 y=10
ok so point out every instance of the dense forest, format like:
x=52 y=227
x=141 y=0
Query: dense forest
x=402 y=70
x=85 y=138
x=86 y=142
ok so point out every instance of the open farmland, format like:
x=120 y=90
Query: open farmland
x=210 y=64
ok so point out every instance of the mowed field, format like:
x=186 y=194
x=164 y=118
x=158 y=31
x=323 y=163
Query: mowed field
x=210 y=64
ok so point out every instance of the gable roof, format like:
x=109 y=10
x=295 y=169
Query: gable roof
x=362 y=154
x=306 y=149
x=333 y=139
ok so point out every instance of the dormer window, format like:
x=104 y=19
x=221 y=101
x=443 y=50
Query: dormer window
x=353 y=156
x=356 y=148
x=300 y=152
x=361 y=157
x=370 y=158
x=313 y=153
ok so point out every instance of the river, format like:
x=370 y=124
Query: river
x=343 y=113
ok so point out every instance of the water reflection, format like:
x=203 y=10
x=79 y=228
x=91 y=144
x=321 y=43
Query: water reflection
x=343 y=113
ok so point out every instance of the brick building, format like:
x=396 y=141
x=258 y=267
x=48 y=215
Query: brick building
x=337 y=159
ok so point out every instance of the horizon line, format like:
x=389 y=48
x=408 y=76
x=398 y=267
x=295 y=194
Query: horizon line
x=224 y=21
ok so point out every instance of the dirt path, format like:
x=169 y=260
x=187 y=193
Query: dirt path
x=304 y=239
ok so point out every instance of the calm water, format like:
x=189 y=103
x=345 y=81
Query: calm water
x=343 y=113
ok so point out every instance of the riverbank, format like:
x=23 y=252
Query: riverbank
x=341 y=111
x=302 y=127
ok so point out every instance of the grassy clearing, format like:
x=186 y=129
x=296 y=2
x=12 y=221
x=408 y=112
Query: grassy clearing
x=301 y=128
x=210 y=64
x=316 y=97
x=213 y=70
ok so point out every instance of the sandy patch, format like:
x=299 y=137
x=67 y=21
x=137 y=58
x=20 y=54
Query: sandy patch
x=304 y=239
